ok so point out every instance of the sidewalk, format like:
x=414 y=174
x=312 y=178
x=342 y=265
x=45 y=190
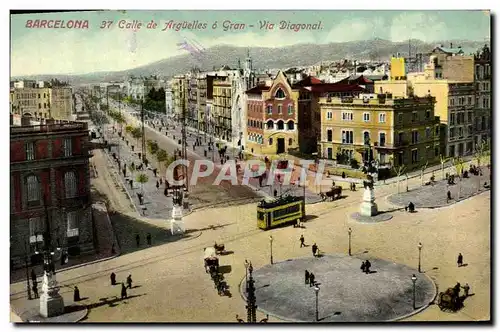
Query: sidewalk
x=312 y=195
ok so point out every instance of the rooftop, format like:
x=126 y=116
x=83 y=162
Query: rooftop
x=49 y=126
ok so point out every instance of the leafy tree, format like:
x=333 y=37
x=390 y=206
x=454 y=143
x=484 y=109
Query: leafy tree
x=459 y=167
x=161 y=157
x=422 y=171
x=136 y=134
x=152 y=146
x=443 y=161
x=142 y=179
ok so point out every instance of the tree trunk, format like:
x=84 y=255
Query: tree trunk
x=442 y=170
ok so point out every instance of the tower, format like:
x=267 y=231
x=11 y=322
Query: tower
x=248 y=72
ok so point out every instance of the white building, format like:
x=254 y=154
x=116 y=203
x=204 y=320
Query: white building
x=169 y=100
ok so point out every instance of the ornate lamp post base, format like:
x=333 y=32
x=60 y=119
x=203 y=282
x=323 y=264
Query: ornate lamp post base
x=51 y=302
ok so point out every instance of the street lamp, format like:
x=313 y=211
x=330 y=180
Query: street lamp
x=349 y=231
x=271 y=245
x=414 y=279
x=247 y=264
x=419 y=256
x=316 y=290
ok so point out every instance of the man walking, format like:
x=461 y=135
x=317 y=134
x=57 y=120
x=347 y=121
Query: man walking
x=124 y=291
x=460 y=260
x=148 y=238
x=35 y=290
x=307 y=277
x=466 y=289
x=302 y=241
x=33 y=276
x=138 y=240
x=314 y=249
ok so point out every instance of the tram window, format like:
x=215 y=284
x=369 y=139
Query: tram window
x=260 y=215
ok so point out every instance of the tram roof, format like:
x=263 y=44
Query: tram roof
x=279 y=201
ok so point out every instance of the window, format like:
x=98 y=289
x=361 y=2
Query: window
x=414 y=116
x=427 y=132
x=366 y=117
x=329 y=135
x=290 y=109
x=280 y=109
x=36 y=229
x=72 y=223
x=452 y=101
x=32 y=189
x=452 y=119
x=271 y=141
x=39 y=105
x=270 y=124
x=414 y=137
x=346 y=116
x=381 y=117
x=281 y=125
x=67 y=147
x=279 y=94
x=290 y=125
x=381 y=139
x=400 y=117
x=269 y=109
x=436 y=151
x=30 y=151
x=347 y=137
x=452 y=132
x=460 y=132
x=290 y=141
x=329 y=115
x=469 y=100
x=401 y=137
x=70 y=184
x=414 y=156
x=427 y=114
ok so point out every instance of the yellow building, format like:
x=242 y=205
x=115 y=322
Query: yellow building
x=221 y=107
x=61 y=106
x=272 y=117
x=179 y=95
x=34 y=102
x=401 y=131
x=454 y=105
x=202 y=102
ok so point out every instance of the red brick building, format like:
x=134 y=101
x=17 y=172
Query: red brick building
x=50 y=183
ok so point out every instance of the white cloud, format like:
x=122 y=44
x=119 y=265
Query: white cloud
x=425 y=27
x=358 y=29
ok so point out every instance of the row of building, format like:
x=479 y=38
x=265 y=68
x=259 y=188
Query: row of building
x=410 y=117
x=41 y=100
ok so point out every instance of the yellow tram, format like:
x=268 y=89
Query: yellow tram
x=281 y=211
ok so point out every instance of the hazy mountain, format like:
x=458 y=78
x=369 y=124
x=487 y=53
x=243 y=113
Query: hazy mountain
x=281 y=57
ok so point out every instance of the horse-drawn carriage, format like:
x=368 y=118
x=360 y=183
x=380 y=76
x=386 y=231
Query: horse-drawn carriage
x=335 y=192
x=211 y=260
x=450 y=299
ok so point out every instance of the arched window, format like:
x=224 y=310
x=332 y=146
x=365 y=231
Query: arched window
x=32 y=189
x=290 y=141
x=270 y=141
x=280 y=94
x=270 y=124
x=70 y=184
x=290 y=125
x=281 y=125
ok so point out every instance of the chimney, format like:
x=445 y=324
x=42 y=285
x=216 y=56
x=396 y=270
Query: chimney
x=451 y=45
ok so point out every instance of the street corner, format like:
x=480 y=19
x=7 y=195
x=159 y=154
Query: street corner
x=341 y=290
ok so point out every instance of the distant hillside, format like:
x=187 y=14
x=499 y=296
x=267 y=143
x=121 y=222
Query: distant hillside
x=280 y=57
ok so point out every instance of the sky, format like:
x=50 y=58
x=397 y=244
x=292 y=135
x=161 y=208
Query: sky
x=37 y=51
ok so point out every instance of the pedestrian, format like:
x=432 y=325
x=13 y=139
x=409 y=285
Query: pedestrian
x=124 y=291
x=129 y=281
x=131 y=182
x=311 y=279
x=33 y=276
x=466 y=289
x=363 y=266
x=35 y=290
x=157 y=185
x=460 y=260
x=161 y=181
x=155 y=171
x=307 y=277
x=367 y=266
x=302 y=241
x=165 y=192
x=275 y=192
x=148 y=238
x=76 y=294
x=138 y=240
x=124 y=172
x=314 y=249
x=448 y=196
